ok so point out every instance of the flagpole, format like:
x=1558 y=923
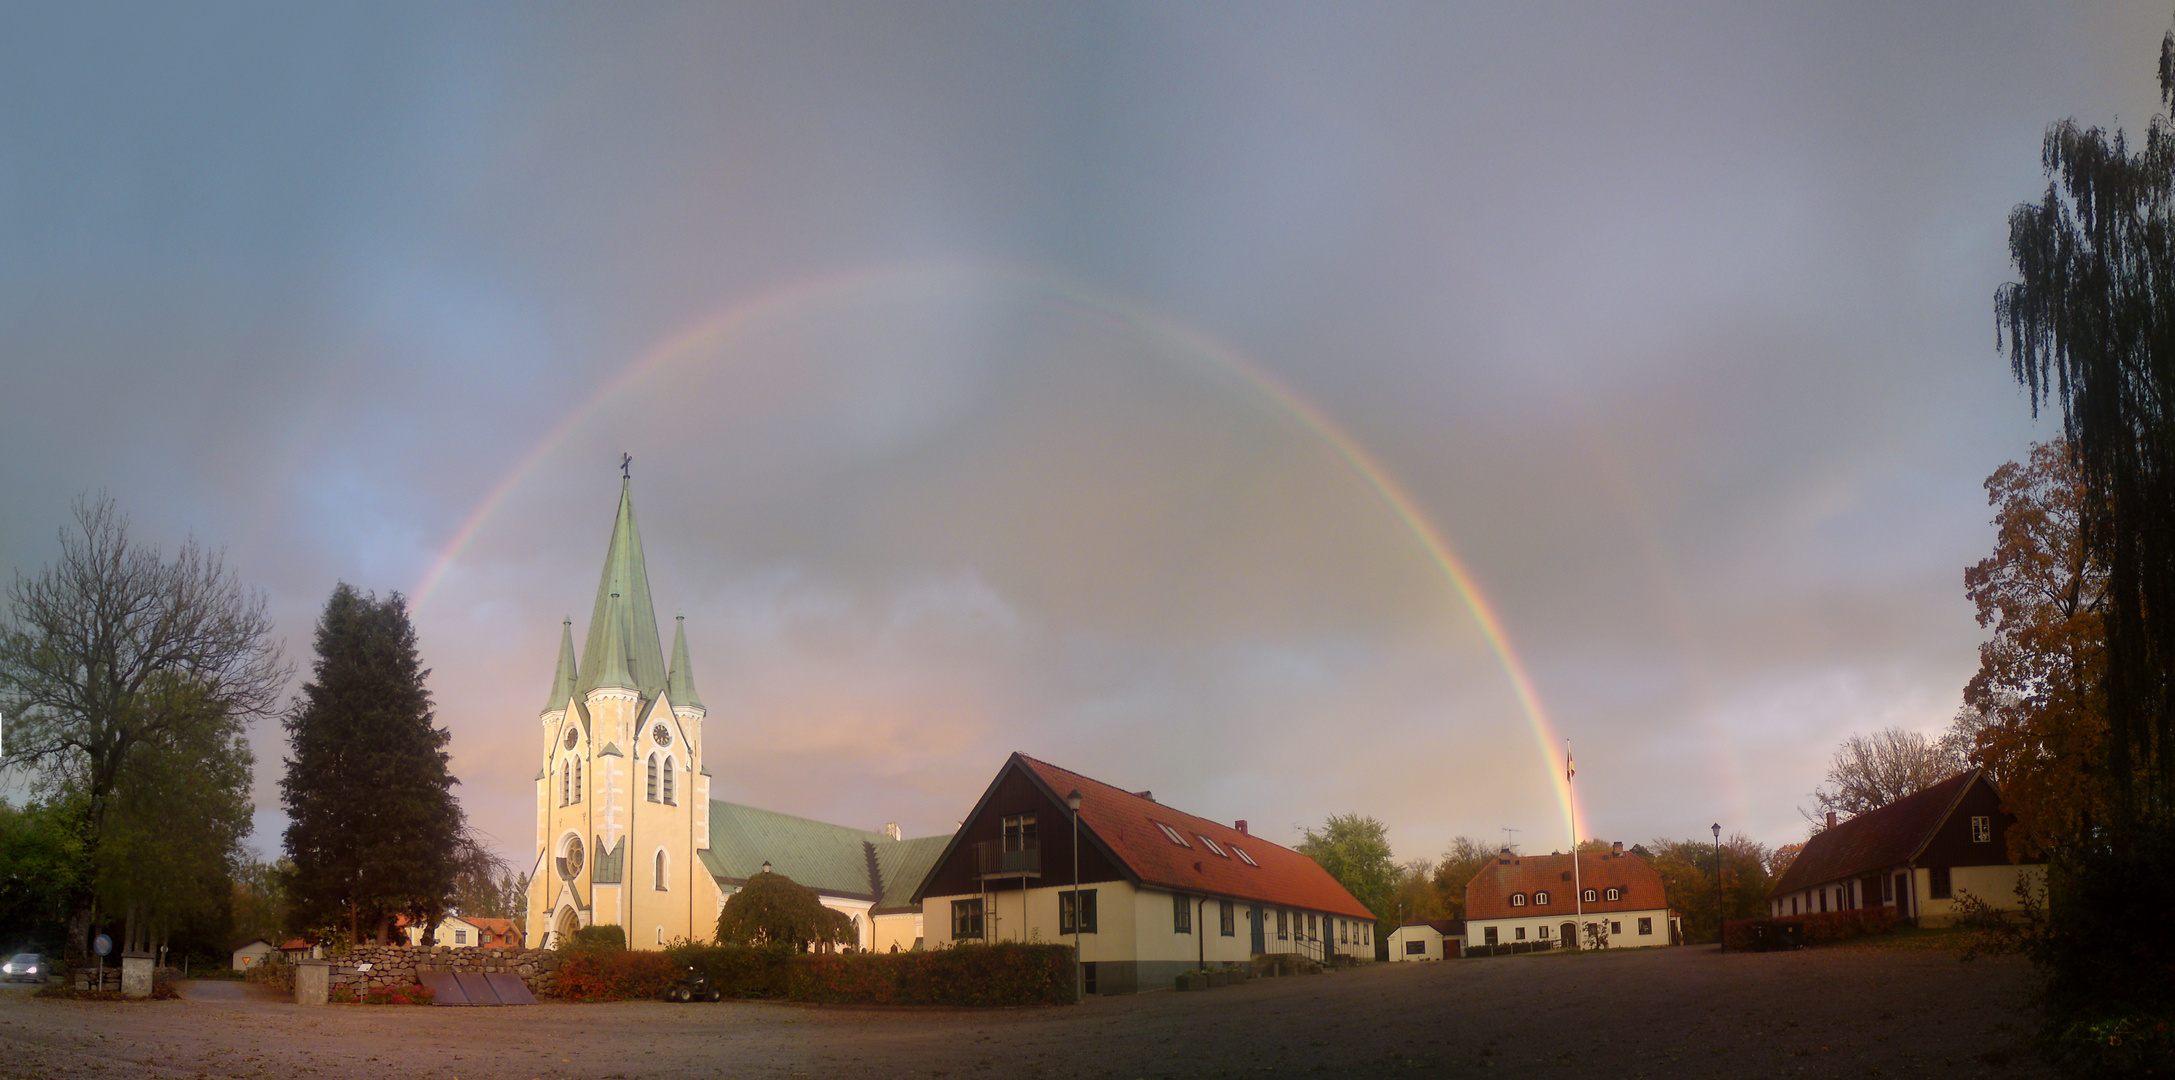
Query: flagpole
x=1578 y=884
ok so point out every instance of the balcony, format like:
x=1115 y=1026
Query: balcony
x=991 y=860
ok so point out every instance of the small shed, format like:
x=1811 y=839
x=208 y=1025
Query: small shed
x=1428 y=939
x=251 y=953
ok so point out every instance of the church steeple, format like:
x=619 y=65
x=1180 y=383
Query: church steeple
x=562 y=683
x=621 y=648
x=681 y=686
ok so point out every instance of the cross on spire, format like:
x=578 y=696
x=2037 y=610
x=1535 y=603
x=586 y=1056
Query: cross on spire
x=626 y=461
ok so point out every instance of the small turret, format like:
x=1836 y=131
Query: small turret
x=680 y=687
x=562 y=684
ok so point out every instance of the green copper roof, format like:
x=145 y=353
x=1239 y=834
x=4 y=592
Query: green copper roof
x=562 y=684
x=610 y=865
x=621 y=648
x=610 y=750
x=831 y=859
x=681 y=685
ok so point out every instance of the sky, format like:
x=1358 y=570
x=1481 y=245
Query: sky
x=1293 y=410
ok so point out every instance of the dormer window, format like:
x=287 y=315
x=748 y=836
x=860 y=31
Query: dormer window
x=1590 y=896
x=1517 y=899
x=1172 y=835
x=1211 y=845
x=1615 y=893
x=1540 y=899
x=1243 y=856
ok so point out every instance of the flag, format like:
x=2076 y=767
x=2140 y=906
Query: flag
x=1568 y=770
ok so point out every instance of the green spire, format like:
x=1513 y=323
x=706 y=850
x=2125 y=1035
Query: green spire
x=621 y=648
x=681 y=686
x=562 y=684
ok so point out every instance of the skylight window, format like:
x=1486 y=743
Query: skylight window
x=1243 y=856
x=1211 y=844
x=1173 y=835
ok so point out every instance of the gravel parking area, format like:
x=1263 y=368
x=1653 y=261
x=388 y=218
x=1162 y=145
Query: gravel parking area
x=1683 y=1014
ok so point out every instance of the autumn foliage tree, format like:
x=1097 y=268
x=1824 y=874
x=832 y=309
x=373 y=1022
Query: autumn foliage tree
x=2035 y=713
x=773 y=909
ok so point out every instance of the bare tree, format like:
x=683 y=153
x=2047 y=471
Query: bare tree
x=1871 y=771
x=112 y=656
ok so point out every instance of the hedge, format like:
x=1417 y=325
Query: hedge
x=1820 y=928
x=1005 y=974
x=603 y=975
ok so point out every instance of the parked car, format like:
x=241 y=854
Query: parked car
x=24 y=967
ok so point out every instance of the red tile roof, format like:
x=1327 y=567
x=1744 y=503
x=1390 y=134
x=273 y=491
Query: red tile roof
x=497 y=933
x=1877 y=839
x=1487 y=896
x=1127 y=824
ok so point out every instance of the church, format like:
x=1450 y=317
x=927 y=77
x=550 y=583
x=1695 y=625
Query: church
x=626 y=831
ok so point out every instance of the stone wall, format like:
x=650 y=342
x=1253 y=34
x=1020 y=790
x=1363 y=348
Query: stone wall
x=394 y=965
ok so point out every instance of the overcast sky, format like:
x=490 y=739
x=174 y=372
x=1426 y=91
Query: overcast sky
x=1227 y=400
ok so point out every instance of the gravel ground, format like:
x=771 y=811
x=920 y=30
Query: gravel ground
x=1683 y=1014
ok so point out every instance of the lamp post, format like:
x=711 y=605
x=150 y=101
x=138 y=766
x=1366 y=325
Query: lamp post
x=1079 y=972
x=1717 y=827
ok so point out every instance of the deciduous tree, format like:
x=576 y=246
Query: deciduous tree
x=773 y=909
x=2035 y=714
x=1355 y=849
x=112 y=660
x=1464 y=858
x=375 y=831
x=1687 y=869
x=1871 y=771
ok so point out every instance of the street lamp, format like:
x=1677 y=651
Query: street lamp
x=1079 y=973
x=1717 y=826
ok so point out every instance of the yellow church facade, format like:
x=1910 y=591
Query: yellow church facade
x=626 y=831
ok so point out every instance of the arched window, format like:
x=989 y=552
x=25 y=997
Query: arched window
x=566 y=781
x=653 y=778
x=1540 y=899
x=577 y=779
x=1590 y=896
x=1517 y=899
x=669 y=800
x=1615 y=893
x=664 y=877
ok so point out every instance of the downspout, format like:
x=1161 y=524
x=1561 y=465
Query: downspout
x=1200 y=931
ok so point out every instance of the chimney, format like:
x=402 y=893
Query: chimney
x=1616 y=850
x=1242 y=827
x=891 y=829
x=1504 y=858
x=1831 y=819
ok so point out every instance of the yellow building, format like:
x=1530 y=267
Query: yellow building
x=626 y=832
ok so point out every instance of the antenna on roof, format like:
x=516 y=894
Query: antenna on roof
x=1510 y=841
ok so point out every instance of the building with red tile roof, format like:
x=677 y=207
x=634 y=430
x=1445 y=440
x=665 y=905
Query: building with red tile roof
x=1919 y=855
x=1523 y=902
x=1160 y=891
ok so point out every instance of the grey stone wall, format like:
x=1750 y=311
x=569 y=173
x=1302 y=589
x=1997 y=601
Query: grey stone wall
x=395 y=965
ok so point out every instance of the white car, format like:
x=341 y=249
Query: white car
x=24 y=967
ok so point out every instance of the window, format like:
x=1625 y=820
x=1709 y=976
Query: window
x=1419 y=948
x=1211 y=844
x=1982 y=829
x=670 y=798
x=1793 y=905
x=1341 y=932
x=1173 y=835
x=1590 y=896
x=1310 y=927
x=664 y=879
x=566 y=781
x=1540 y=899
x=652 y=778
x=1615 y=893
x=1937 y=883
x=1517 y=899
x=1646 y=927
x=1227 y=924
x=1887 y=890
x=1490 y=934
x=1243 y=856
x=1083 y=902
x=1519 y=933
x=966 y=919
x=1616 y=928
x=577 y=779
x=1283 y=931
x=460 y=937
x=1019 y=833
x=1181 y=915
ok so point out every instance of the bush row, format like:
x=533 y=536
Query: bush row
x=1819 y=928
x=1004 y=974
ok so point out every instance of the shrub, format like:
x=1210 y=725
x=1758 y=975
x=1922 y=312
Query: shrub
x=1820 y=928
x=1006 y=974
x=739 y=971
x=601 y=936
x=2137 y=1044
x=598 y=974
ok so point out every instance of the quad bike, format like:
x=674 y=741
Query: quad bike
x=692 y=985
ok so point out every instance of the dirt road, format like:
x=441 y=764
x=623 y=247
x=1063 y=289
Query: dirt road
x=1680 y=1014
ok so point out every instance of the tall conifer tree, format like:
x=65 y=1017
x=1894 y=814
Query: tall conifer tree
x=375 y=828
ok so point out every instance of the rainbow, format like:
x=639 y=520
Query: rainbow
x=683 y=346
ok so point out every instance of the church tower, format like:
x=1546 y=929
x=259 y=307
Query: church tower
x=622 y=797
